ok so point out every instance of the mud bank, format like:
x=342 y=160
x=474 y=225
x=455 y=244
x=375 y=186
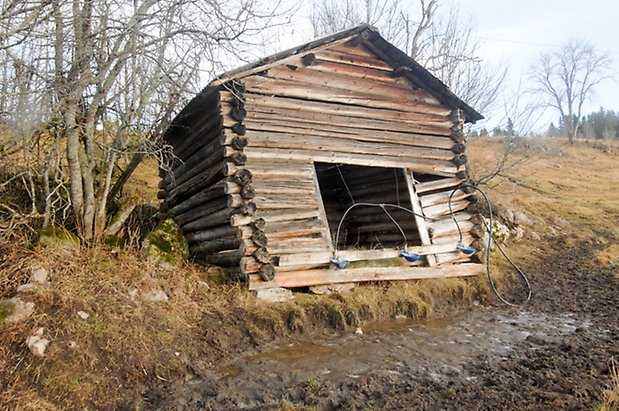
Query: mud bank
x=553 y=353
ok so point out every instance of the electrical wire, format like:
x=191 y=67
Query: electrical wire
x=487 y=226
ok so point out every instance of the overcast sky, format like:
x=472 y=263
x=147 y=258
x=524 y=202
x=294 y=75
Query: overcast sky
x=516 y=32
x=519 y=30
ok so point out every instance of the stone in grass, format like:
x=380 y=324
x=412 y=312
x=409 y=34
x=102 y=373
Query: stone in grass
x=275 y=295
x=331 y=288
x=50 y=236
x=13 y=310
x=37 y=344
x=39 y=276
x=155 y=295
x=166 y=243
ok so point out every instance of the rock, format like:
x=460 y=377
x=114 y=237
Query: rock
x=37 y=344
x=164 y=265
x=401 y=317
x=275 y=295
x=359 y=331
x=561 y=222
x=133 y=293
x=518 y=233
x=203 y=285
x=534 y=236
x=25 y=288
x=155 y=295
x=553 y=231
x=331 y=288
x=166 y=243
x=50 y=236
x=13 y=310
x=39 y=276
x=499 y=231
x=521 y=218
x=83 y=315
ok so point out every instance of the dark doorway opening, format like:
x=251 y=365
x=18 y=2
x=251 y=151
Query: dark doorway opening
x=365 y=227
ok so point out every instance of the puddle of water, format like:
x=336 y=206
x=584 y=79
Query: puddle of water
x=437 y=346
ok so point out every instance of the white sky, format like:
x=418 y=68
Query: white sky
x=516 y=32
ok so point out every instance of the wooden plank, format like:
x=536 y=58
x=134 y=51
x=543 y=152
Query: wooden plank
x=305 y=278
x=294 y=228
x=284 y=125
x=359 y=81
x=442 y=198
x=344 y=56
x=322 y=215
x=294 y=58
x=440 y=184
x=292 y=130
x=256 y=101
x=419 y=220
x=421 y=165
x=439 y=210
x=280 y=140
x=289 y=88
x=361 y=255
x=287 y=214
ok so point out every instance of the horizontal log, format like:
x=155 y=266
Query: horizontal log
x=301 y=241
x=293 y=58
x=256 y=101
x=184 y=149
x=195 y=184
x=285 y=140
x=422 y=165
x=188 y=170
x=442 y=197
x=218 y=245
x=219 y=189
x=439 y=184
x=361 y=255
x=191 y=219
x=294 y=229
x=305 y=278
x=299 y=89
x=421 y=119
x=439 y=210
x=346 y=57
x=295 y=187
x=224 y=259
x=275 y=201
x=211 y=234
x=287 y=214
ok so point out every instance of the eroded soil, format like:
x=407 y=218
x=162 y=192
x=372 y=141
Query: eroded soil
x=553 y=353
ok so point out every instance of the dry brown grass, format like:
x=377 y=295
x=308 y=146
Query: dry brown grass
x=553 y=180
x=610 y=401
x=128 y=345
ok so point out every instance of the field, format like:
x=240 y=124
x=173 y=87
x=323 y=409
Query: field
x=211 y=345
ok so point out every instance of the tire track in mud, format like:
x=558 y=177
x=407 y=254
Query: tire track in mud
x=552 y=354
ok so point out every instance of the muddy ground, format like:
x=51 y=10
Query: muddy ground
x=553 y=353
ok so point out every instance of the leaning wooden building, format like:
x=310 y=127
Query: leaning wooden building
x=345 y=138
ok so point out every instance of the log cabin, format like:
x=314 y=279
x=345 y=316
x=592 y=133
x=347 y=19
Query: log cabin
x=341 y=160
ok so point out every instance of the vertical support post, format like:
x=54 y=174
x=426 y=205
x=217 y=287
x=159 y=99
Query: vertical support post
x=424 y=235
x=326 y=233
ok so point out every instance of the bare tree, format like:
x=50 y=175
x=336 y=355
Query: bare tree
x=566 y=79
x=445 y=46
x=110 y=73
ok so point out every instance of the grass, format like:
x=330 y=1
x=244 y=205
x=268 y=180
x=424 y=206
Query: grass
x=128 y=345
x=610 y=400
